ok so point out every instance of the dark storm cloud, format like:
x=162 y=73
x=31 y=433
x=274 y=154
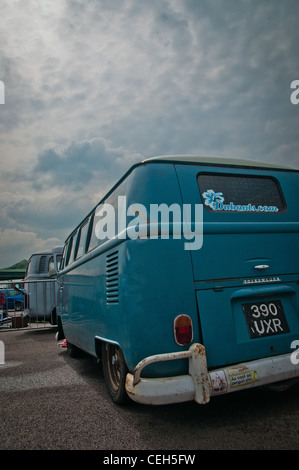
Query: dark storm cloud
x=76 y=165
x=204 y=76
x=94 y=85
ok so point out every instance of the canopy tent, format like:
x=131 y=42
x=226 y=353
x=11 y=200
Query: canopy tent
x=17 y=271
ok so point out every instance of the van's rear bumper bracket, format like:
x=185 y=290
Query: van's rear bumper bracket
x=200 y=384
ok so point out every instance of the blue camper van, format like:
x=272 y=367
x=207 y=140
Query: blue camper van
x=184 y=280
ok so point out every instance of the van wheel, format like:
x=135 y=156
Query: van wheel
x=73 y=350
x=53 y=317
x=115 y=372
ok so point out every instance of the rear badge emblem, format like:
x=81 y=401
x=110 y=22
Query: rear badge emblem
x=261 y=280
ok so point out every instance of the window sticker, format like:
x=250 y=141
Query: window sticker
x=216 y=202
x=240 y=193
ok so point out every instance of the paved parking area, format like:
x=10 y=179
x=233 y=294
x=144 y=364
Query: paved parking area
x=51 y=401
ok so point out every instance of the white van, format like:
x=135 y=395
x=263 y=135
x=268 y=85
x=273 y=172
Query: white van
x=40 y=285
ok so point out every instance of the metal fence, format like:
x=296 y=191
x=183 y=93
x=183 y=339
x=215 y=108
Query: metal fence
x=27 y=304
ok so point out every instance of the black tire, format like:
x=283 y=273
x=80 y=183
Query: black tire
x=115 y=372
x=73 y=350
x=60 y=333
x=53 y=318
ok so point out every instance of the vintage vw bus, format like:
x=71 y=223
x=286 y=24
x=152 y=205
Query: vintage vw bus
x=185 y=280
x=40 y=289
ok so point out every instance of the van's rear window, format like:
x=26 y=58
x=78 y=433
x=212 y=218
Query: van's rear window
x=240 y=193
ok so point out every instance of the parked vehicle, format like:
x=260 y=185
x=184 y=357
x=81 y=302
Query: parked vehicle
x=192 y=307
x=40 y=286
x=12 y=299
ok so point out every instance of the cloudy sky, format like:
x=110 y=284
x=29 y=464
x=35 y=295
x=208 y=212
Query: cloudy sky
x=93 y=86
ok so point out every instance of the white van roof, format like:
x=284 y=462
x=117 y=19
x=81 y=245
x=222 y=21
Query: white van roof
x=57 y=249
x=210 y=160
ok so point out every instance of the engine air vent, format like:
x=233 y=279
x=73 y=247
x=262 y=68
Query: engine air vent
x=112 y=278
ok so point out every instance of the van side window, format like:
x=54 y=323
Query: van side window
x=240 y=193
x=68 y=252
x=82 y=240
x=59 y=262
x=51 y=263
x=93 y=242
x=42 y=264
x=64 y=255
x=73 y=248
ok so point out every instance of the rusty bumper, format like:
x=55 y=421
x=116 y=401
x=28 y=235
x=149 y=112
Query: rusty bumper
x=200 y=384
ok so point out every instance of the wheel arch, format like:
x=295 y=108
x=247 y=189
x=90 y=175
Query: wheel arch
x=99 y=341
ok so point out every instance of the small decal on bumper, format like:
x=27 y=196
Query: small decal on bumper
x=245 y=378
